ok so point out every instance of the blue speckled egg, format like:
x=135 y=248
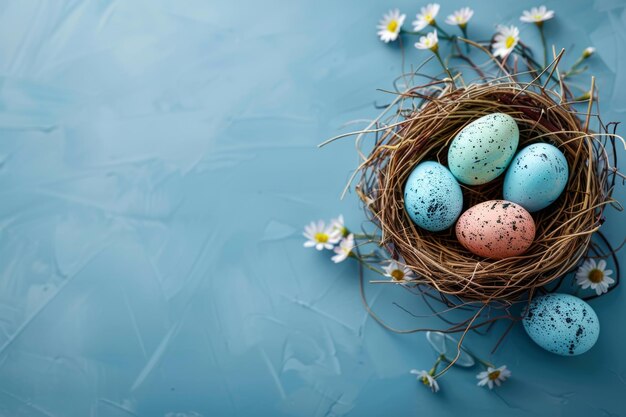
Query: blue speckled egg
x=432 y=197
x=483 y=149
x=562 y=324
x=537 y=176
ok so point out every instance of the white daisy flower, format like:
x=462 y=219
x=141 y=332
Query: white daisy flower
x=493 y=376
x=430 y=41
x=590 y=50
x=344 y=249
x=390 y=25
x=398 y=272
x=505 y=40
x=595 y=276
x=320 y=236
x=339 y=225
x=537 y=15
x=460 y=17
x=426 y=17
x=426 y=379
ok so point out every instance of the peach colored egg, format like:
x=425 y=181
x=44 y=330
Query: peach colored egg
x=496 y=229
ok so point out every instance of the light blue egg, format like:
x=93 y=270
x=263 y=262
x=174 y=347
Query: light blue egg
x=432 y=197
x=562 y=324
x=483 y=149
x=537 y=176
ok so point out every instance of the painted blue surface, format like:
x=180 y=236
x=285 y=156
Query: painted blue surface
x=157 y=163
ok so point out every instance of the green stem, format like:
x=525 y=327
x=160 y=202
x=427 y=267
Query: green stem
x=444 y=67
x=464 y=32
x=545 y=46
x=418 y=33
x=364 y=236
x=433 y=371
x=359 y=235
x=440 y=29
x=365 y=264
x=572 y=70
x=577 y=63
x=584 y=97
x=484 y=363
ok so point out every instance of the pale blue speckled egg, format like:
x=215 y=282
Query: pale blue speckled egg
x=432 y=197
x=562 y=324
x=537 y=176
x=483 y=149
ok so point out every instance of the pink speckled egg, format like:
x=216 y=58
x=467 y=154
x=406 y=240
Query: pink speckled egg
x=496 y=229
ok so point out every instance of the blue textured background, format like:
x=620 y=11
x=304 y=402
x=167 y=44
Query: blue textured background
x=157 y=163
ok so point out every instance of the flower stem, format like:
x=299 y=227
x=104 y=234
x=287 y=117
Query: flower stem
x=464 y=349
x=433 y=371
x=365 y=236
x=418 y=33
x=444 y=67
x=411 y=32
x=367 y=265
x=484 y=363
x=360 y=235
x=446 y=35
x=545 y=46
x=572 y=70
x=464 y=31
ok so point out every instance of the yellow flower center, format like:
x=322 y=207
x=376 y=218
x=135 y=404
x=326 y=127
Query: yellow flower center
x=397 y=274
x=425 y=381
x=321 y=237
x=509 y=42
x=494 y=375
x=596 y=276
x=538 y=17
x=392 y=26
x=431 y=44
x=429 y=18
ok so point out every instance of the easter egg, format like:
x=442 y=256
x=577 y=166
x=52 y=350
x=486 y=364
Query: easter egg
x=496 y=229
x=537 y=176
x=432 y=197
x=482 y=150
x=562 y=324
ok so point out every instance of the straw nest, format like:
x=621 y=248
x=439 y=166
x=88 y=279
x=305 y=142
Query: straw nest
x=422 y=128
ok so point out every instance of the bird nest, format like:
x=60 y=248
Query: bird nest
x=423 y=123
